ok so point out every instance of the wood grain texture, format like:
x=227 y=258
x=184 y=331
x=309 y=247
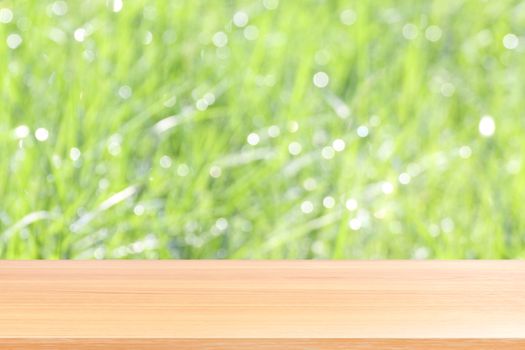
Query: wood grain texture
x=217 y=305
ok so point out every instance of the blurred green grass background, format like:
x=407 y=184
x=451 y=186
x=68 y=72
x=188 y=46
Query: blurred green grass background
x=262 y=129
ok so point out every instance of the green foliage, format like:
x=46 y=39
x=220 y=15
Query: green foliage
x=177 y=130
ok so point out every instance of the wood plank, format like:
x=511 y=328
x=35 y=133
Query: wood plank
x=262 y=304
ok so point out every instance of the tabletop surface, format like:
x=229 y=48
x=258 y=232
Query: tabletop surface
x=262 y=299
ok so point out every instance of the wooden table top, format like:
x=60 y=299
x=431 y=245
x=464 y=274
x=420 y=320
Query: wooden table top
x=262 y=304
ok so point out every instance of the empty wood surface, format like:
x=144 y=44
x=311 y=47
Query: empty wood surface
x=262 y=305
